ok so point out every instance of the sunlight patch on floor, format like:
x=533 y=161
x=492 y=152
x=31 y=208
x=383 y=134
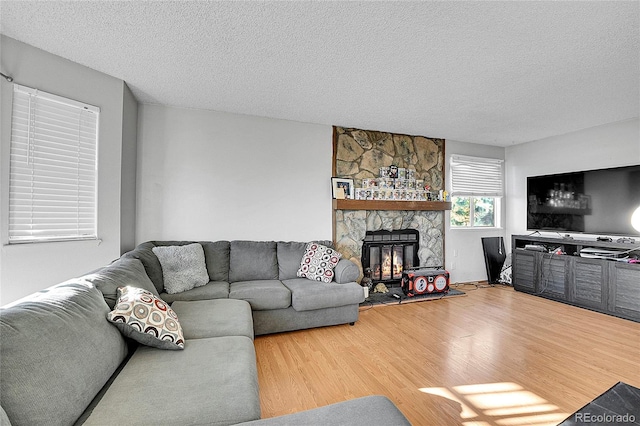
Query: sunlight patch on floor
x=500 y=404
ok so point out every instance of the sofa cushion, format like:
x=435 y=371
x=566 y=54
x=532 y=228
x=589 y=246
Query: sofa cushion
x=121 y=273
x=253 y=260
x=318 y=262
x=82 y=352
x=307 y=295
x=289 y=256
x=261 y=294
x=217 y=257
x=365 y=411
x=183 y=267
x=141 y=316
x=212 y=381
x=213 y=290
x=4 y=419
x=214 y=318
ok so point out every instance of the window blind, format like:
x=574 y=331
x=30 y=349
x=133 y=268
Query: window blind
x=53 y=168
x=475 y=176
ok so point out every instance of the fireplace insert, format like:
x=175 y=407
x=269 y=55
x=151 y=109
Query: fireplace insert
x=388 y=253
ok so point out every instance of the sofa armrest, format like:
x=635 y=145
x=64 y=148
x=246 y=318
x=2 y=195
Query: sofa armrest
x=345 y=272
x=364 y=411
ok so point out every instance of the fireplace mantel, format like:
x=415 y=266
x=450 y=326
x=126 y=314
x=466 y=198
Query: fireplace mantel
x=391 y=205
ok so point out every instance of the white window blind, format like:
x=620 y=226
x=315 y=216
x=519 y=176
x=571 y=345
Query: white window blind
x=53 y=168
x=474 y=176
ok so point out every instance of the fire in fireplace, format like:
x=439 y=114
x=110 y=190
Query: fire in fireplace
x=388 y=253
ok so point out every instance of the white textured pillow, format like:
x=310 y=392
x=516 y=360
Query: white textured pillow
x=183 y=267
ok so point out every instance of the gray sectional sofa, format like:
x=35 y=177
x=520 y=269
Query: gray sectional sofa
x=63 y=363
x=264 y=273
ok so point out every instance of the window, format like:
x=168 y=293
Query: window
x=53 y=168
x=484 y=212
x=475 y=192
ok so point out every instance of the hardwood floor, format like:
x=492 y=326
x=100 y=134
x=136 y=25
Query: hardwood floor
x=492 y=357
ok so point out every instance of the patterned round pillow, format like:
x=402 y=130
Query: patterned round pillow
x=143 y=317
x=318 y=263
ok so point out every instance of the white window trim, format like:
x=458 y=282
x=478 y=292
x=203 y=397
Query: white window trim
x=53 y=184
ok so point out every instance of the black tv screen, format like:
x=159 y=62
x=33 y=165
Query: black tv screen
x=600 y=202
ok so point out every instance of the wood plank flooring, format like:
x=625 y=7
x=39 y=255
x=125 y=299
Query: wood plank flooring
x=493 y=357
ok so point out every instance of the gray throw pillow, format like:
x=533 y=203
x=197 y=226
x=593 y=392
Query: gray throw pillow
x=183 y=267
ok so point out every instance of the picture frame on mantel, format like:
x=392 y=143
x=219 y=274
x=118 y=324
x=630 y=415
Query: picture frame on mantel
x=342 y=188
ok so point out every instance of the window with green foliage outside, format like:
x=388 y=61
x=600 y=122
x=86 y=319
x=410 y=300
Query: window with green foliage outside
x=483 y=209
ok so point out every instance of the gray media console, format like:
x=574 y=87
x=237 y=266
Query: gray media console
x=602 y=285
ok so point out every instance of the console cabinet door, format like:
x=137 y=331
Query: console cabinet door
x=589 y=283
x=524 y=270
x=553 y=276
x=624 y=289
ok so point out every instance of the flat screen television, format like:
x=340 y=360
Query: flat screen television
x=599 y=202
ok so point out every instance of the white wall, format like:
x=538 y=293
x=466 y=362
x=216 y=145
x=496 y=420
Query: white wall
x=464 y=257
x=611 y=145
x=26 y=268
x=206 y=175
x=128 y=171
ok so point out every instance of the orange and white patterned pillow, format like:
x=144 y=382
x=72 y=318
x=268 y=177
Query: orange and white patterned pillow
x=318 y=263
x=143 y=317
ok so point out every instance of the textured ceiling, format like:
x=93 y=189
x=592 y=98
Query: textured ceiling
x=488 y=72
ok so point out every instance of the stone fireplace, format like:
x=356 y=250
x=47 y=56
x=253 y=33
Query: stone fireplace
x=352 y=226
x=388 y=253
x=358 y=154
